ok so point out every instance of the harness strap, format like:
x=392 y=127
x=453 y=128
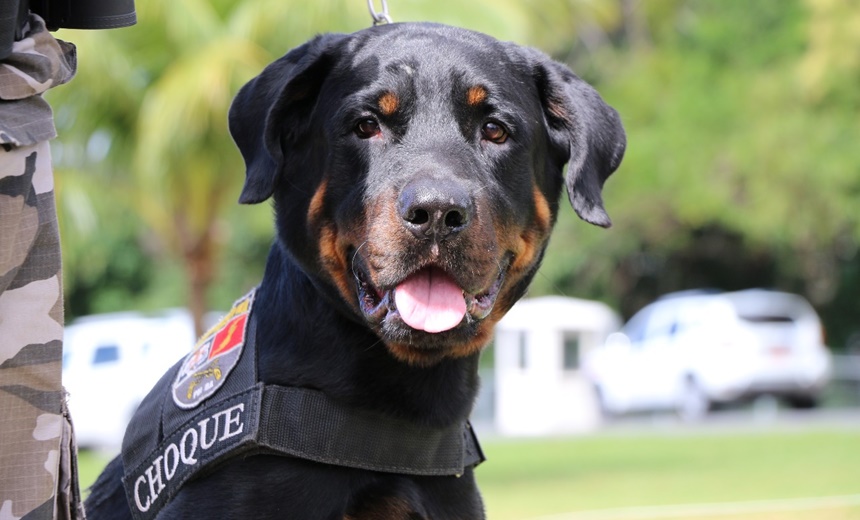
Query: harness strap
x=294 y=422
x=310 y=425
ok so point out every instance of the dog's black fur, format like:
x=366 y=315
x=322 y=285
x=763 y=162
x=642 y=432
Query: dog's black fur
x=353 y=136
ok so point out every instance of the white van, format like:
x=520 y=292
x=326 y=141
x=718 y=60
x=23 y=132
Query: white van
x=111 y=361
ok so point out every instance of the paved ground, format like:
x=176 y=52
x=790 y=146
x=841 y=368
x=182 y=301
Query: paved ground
x=817 y=505
x=763 y=417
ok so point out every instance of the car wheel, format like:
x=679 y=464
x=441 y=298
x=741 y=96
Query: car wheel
x=693 y=403
x=605 y=411
x=802 y=402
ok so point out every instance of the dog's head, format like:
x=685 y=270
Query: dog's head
x=416 y=171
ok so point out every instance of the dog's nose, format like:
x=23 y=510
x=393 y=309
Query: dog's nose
x=434 y=208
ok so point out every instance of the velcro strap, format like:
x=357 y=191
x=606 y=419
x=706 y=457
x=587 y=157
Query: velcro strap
x=310 y=425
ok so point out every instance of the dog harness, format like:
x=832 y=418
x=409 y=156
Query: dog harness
x=210 y=407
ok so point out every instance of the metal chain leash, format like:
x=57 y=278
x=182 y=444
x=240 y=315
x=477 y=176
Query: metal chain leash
x=379 y=17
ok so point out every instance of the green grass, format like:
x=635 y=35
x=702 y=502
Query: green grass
x=526 y=479
x=90 y=464
x=529 y=478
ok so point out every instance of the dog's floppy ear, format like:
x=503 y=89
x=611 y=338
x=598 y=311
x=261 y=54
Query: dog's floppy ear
x=591 y=130
x=275 y=107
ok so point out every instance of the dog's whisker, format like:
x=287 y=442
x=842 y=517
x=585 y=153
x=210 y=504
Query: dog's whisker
x=354 y=256
x=557 y=289
x=372 y=345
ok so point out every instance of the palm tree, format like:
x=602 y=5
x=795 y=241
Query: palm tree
x=160 y=91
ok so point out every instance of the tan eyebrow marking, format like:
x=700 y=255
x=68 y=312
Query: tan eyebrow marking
x=388 y=103
x=476 y=95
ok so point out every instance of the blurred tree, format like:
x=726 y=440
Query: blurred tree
x=741 y=167
x=155 y=108
x=830 y=67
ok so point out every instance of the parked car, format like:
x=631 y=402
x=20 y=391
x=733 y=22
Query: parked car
x=690 y=350
x=111 y=361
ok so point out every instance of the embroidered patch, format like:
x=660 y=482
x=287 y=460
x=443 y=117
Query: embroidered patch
x=205 y=369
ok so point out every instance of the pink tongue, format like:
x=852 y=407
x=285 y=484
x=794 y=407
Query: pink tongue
x=429 y=300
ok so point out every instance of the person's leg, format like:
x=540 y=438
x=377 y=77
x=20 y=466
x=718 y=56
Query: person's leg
x=35 y=432
x=38 y=474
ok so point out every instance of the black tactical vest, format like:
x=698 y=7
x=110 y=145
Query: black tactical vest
x=210 y=407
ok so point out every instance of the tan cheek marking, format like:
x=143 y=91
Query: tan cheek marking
x=334 y=260
x=331 y=251
x=476 y=95
x=543 y=215
x=526 y=251
x=316 y=205
x=388 y=103
x=533 y=237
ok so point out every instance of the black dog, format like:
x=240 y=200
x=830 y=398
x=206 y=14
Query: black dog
x=416 y=171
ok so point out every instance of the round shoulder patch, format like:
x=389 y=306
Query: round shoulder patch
x=205 y=369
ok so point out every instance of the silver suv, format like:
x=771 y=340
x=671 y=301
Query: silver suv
x=689 y=350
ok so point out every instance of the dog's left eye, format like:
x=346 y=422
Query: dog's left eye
x=494 y=132
x=367 y=128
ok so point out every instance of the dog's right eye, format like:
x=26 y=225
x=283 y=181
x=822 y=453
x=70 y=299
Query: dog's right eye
x=367 y=128
x=494 y=132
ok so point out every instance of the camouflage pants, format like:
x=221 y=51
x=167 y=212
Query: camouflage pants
x=38 y=474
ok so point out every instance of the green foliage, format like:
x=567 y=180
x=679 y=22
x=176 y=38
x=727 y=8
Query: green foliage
x=741 y=169
x=727 y=130
x=159 y=94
